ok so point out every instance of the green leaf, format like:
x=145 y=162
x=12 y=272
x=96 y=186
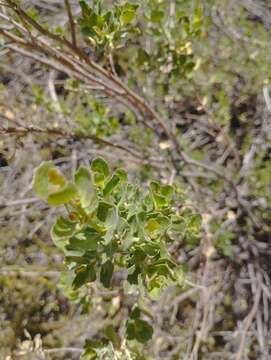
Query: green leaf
x=111 y=185
x=155 y=187
x=135 y=314
x=111 y=248
x=106 y=273
x=122 y=174
x=142 y=57
x=113 y=336
x=87 y=239
x=63 y=196
x=128 y=13
x=157 y=226
x=84 y=276
x=156 y=286
x=100 y=171
x=99 y=165
x=118 y=177
x=43 y=185
x=86 y=10
x=103 y=210
x=90 y=347
x=55 y=177
x=89 y=354
x=156 y=16
x=140 y=330
x=167 y=191
x=111 y=223
x=195 y=221
x=133 y=274
x=127 y=17
x=61 y=231
x=152 y=225
x=178 y=223
x=159 y=201
x=161 y=194
x=86 y=192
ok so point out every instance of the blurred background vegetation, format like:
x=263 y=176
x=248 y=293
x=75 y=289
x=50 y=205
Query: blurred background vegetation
x=204 y=66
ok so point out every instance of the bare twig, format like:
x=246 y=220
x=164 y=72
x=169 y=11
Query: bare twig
x=71 y=21
x=19 y=202
x=65 y=349
x=27 y=130
x=247 y=323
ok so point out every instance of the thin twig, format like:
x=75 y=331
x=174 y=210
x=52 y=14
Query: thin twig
x=71 y=21
x=19 y=202
x=247 y=323
x=27 y=130
x=65 y=349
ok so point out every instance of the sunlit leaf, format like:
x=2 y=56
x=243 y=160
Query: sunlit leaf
x=100 y=169
x=111 y=185
x=99 y=165
x=42 y=184
x=63 y=196
x=85 y=189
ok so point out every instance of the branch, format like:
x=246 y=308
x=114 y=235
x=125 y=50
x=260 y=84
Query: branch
x=22 y=131
x=72 y=24
x=134 y=99
x=247 y=323
x=66 y=349
x=30 y=274
x=19 y=202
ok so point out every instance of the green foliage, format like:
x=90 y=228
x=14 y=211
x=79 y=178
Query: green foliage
x=164 y=50
x=50 y=185
x=112 y=225
x=107 y=29
x=119 y=216
x=93 y=117
x=224 y=242
x=138 y=329
x=171 y=36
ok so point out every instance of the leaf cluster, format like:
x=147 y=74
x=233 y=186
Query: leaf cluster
x=112 y=225
x=107 y=28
